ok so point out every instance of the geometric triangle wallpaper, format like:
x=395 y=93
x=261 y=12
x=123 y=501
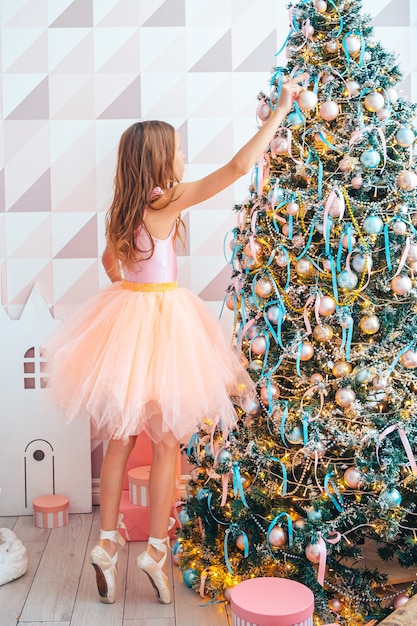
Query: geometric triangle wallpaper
x=76 y=73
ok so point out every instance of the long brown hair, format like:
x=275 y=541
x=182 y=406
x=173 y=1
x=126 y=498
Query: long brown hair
x=145 y=161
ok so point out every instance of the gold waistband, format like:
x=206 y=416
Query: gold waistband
x=127 y=284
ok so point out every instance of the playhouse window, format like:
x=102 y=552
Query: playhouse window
x=34 y=368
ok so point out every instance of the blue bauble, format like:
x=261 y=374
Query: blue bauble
x=202 y=493
x=363 y=375
x=373 y=225
x=273 y=314
x=370 y=159
x=391 y=497
x=295 y=120
x=208 y=450
x=404 y=137
x=184 y=517
x=347 y=280
x=313 y=515
x=275 y=194
x=178 y=548
x=189 y=576
x=223 y=456
x=296 y=435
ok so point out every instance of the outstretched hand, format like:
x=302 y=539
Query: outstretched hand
x=290 y=92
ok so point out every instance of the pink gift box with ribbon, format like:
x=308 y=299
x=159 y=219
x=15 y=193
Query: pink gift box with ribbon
x=272 y=602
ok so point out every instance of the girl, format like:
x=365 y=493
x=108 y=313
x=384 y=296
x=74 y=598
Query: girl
x=144 y=354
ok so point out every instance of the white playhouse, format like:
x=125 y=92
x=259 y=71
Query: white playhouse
x=40 y=454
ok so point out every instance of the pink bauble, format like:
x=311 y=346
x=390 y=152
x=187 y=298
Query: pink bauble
x=409 y=359
x=263 y=288
x=279 y=145
x=348 y=240
x=412 y=252
x=299 y=523
x=227 y=593
x=352 y=477
x=264 y=112
x=307 y=100
x=240 y=542
x=383 y=114
x=335 y=207
x=400 y=600
x=380 y=382
x=252 y=331
x=281 y=260
x=335 y=605
x=332 y=46
x=327 y=78
x=307 y=30
x=327 y=305
x=356 y=182
x=329 y=110
x=253 y=248
x=353 y=88
x=316 y=378
x=320 y=6
x=313 y=552
x=285 y=229
x=298 y=241
x=345 y=165
x=292 y=208
x=374 y=101
x=399 y=227
x=353 y=44
x=401 y=285
x=230 y=301
x=407 y=180
x=273 y=392
x=345 y=397
x=277 y=537
x=258 y=345
x=307 y=351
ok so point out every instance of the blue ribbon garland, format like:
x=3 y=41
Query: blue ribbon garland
x=399 y=355
x=226 y=539
x=237 y=485
x=309 y=240
x=338 y=499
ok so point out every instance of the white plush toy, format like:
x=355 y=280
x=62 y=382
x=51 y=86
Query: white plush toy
x=13 y=556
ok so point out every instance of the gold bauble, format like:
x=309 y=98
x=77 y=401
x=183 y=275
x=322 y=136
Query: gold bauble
x=341 y=369
x=323 y=333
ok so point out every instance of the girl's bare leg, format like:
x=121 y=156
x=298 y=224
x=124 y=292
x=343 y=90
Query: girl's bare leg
x=161 y=491
x=112 y=474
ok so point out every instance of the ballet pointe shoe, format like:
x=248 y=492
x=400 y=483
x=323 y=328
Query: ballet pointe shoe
x=105 y=567
x=153 y=569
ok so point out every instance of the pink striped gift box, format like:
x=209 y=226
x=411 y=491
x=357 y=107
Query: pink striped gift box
x=138 y=478
x=50 y=511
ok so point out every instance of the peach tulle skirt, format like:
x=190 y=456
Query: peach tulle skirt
x=146 y=358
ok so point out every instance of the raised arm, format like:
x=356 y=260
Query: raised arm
x=192 y=193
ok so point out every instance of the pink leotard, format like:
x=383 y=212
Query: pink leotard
x=162 y=265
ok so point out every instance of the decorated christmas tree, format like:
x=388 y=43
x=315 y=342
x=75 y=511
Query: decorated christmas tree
x=321 y=464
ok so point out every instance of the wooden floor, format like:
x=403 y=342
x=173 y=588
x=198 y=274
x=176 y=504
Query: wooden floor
x=59 y=587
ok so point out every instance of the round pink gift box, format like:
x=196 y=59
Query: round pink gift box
x=272 y=602
x=50 y=511
x=138 y=478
